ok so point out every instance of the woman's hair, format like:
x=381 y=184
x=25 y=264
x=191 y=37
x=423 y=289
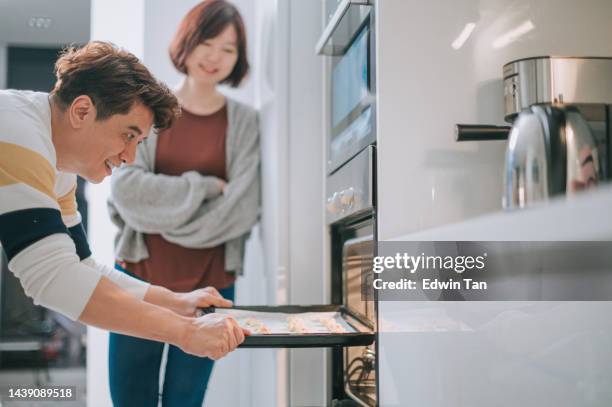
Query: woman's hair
x=114 y=79
x=207 y=20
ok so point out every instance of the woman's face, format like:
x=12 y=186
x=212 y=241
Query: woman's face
x=213 y=60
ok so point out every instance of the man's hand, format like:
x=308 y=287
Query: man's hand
x=213 y=336
x=200 y=298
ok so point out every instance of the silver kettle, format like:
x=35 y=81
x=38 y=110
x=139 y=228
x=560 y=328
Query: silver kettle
x=551 y=151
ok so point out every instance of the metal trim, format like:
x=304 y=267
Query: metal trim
x=333 y=24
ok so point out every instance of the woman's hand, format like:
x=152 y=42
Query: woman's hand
x=200 y=298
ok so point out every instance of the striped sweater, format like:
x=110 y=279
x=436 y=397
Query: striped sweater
x=40 y=226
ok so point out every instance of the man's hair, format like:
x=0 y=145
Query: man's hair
x=114 y=79
x=207 y=20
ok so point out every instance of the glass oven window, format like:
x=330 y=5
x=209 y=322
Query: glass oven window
x=359 y=363
x=357 y=263
x=350 y=81
x=351 y=118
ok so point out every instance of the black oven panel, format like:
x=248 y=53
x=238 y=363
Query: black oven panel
x=359 y=363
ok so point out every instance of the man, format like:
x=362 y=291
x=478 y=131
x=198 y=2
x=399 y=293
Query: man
x=103 y=104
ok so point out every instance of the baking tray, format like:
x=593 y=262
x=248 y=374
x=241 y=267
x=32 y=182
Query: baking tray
x=359 y=333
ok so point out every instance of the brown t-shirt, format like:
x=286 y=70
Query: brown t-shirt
x=194 y=142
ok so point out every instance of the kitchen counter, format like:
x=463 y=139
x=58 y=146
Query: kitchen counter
x=505 y=353
x=587 y=216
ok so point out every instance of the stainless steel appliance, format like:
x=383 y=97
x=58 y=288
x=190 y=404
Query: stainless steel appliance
x=560 y=141
x=351 y=218
x=349 y=39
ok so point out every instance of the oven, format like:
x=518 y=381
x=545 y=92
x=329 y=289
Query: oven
x=351 y=218
x=348 y=42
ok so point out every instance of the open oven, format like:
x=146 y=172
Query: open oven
x=351 y=218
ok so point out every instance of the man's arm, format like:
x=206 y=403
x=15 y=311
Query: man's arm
x=112 y=308
x=181 y=303
x=53 y=276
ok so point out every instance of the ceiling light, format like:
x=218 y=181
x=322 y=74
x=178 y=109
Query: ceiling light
x=463 y=37
x=41 y=23
x=513 y=34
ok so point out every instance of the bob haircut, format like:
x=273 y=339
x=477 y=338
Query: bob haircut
x=207 y=20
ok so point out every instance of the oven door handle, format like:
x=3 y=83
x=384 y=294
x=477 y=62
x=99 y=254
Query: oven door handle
x=333 y=24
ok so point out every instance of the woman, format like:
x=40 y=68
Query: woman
x=187 y=205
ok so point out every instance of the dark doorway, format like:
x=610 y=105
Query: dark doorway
x=31 y=68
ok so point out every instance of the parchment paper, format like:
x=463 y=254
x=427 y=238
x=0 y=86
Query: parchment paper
x=276 y=322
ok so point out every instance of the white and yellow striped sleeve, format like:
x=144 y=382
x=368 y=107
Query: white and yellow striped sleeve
x=42 y=235
x=39 y=249
x=65 y=189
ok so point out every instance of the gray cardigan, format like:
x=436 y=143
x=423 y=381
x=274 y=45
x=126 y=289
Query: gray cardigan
x=190 y=210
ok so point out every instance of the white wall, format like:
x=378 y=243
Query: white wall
x=479 y=354
x=69 y=22
x=306 y=192
x=271 y=76
x=125 y=29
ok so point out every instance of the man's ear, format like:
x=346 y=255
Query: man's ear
x=82 y=111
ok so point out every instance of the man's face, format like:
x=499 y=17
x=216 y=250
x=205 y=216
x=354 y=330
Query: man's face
x=108 y=143
x=213 y=60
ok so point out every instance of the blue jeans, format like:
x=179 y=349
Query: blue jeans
x=134 y=372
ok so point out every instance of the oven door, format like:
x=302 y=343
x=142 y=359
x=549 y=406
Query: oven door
x=354 y=368
x=358 y=291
